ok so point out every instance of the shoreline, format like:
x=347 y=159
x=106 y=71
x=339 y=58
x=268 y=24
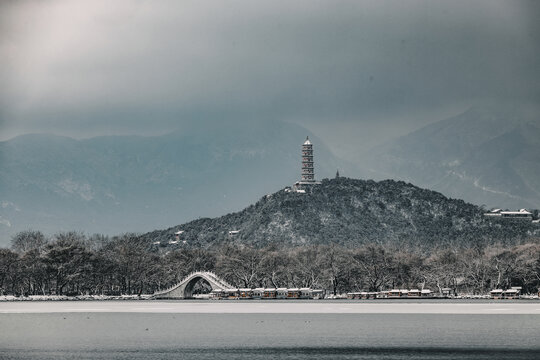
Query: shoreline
x=274 y=307
x=150 y=297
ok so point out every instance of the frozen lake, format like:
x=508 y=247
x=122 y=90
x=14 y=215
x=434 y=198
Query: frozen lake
x=270 y=329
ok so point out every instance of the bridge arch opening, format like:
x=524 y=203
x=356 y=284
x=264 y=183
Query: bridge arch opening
x=197 y=286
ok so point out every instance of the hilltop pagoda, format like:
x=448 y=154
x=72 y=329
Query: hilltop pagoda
x=308 y=169
x=308 y=172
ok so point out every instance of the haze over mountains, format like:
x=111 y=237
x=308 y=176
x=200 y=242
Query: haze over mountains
x=487 y=155
x=115 y=184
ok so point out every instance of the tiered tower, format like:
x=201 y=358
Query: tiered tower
x=308 y=172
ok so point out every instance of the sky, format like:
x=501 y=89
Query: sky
x=356 y=73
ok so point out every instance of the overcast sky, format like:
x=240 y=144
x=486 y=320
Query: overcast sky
x=364 y=70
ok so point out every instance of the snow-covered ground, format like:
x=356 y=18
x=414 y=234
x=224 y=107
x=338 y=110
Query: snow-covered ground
x=71 y=298
x=276 y=307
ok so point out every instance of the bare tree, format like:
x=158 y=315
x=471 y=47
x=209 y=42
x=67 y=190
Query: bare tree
x=67 y=260
x=8 y=270
x=240 y=265
x=444 y=269
x=28 y=240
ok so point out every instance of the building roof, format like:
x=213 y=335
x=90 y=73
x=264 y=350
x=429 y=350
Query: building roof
x=522 y=211
x=307 y=142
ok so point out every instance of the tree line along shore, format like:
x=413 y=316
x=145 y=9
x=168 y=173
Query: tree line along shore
x=73 y=264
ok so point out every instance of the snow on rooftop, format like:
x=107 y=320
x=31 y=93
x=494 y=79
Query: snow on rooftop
x=521 y=211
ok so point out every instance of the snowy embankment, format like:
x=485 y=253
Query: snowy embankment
x=72 y=298
x=274 y=307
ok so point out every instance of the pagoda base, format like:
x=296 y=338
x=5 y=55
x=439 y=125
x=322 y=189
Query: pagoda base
x=304 y=186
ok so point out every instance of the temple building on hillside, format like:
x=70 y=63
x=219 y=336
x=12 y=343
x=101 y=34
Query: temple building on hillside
x=308 y=169
x=522 y=214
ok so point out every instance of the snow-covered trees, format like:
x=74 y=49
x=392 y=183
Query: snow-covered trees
x=71 y=263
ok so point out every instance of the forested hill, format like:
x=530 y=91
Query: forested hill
x=351 y=212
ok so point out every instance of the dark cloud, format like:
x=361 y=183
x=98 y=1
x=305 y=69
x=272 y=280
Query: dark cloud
x=86 y=68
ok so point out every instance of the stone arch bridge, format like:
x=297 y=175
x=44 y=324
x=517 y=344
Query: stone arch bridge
x=184 y=289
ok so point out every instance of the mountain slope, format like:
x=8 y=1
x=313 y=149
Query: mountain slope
x=487 y=155
x=352 y=212
x=116 y=184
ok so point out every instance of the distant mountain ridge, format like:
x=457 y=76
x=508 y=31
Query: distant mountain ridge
x=487 y=155
x=115 y=184
x=351 y=212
